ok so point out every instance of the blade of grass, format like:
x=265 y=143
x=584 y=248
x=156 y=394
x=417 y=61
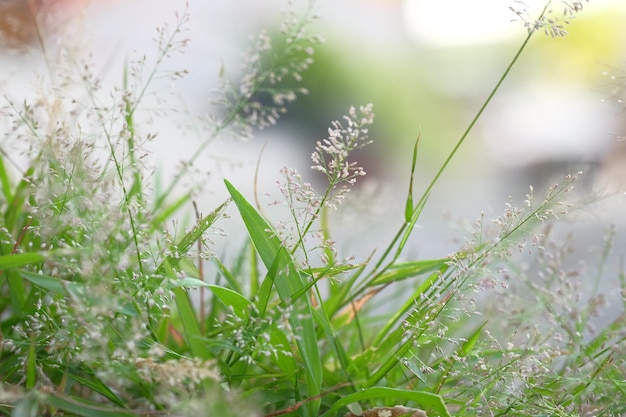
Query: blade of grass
x=403 y=270
x=394 y=353
x=402 y=236
x=17 y=291
x=15 y=207
x=342 y=297
x=164 y=212
x=471 y=341
x=20 y=259
x=408 y=210
x=80 y=407
x=433 y=403
x=340 y=353
x=408 y=304
x=31 y=366
x=5 y=182
x=265 y=292
x=240 y=304
x=254 y=272
x=189 y=239
x=190 y=324
x=228 y=276
x=49 y=283
x=99 y=387
x=283 y=355
x=328 y=252
x=420 y=204
x=287 y=282
x=462 y=352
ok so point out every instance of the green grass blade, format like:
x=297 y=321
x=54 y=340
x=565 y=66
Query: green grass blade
x=79 y=407
x=190 y=324
x=287 y=282
x=416 y=213
x=207 y=221
x=265 y=292
x=17 y=290
x=405 y=231
x=404 y=270
x=240 y=304
x=189 y=239
x=392 y=360
x=408 y=304
x=228 y=276
x=5 y=182
x=49 y=283
x=162 y=213
x=340 y=352
x=99 y=387
x=432 y=403
x=468 y=345
x=265 y=241
x=16 y=207
x=31 y=366
x=283 y=355
x=254 y=272
x=342 y=296
x=408 y=210
x=20 y=259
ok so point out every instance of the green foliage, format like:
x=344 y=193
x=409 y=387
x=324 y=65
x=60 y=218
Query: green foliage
x=106 y=312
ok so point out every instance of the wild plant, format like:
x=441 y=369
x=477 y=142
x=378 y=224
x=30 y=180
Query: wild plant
x=97 y=310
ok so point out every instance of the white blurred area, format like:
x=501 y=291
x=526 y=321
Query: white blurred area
x=451 y=23
x=549 y=121
x=445 y=23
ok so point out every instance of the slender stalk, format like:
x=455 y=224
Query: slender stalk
x=231 y=116
x=406 y=229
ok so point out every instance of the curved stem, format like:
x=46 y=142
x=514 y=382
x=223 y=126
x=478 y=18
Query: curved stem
x=406 y=229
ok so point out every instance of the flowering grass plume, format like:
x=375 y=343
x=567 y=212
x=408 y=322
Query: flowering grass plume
x=331 y=155
x=331 y=158
x=551 y=22
x=259 y=97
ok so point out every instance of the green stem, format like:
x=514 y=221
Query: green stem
x=473 y=122
x=406 y=229
x=277 y=62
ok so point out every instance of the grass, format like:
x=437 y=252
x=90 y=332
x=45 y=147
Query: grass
x=97 y=316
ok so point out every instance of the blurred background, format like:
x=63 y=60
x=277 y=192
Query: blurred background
x=426 y=65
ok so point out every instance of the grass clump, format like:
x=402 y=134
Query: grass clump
x=97 y=315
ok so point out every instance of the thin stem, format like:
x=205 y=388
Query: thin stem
x=473 y=122
x=277 y=62
x=407 y=227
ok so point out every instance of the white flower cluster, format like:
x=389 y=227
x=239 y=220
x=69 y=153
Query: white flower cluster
x=259 y=98
x=552 y=25
x=331 y=154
